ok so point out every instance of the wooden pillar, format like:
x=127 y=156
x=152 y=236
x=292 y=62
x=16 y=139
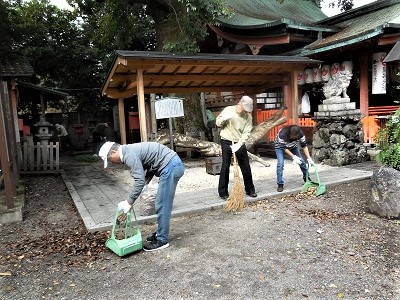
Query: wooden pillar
x=203 y=108
x=295 y=97
x=153 y=113
x=16 y=150
x=254 y=112
x=6 y=142
x=287 y=100
x=364 y=101
x=141 y=106
x=122 y=126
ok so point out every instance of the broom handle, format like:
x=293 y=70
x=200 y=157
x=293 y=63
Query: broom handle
x=234 y=155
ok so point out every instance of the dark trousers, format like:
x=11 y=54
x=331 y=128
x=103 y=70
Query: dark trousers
x=243 y=161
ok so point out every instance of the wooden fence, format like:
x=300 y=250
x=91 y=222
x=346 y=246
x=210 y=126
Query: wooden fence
x=42 y=157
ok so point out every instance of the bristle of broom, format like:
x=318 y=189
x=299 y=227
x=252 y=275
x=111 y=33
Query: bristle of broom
x=235 y=200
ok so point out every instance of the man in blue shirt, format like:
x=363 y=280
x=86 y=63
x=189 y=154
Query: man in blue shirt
x=287 y=142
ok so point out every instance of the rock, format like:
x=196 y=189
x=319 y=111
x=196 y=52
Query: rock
x=385 y=198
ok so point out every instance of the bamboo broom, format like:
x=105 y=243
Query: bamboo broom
x=235 y=200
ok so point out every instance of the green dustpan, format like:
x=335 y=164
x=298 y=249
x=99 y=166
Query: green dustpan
x=321 y=188
x=132 y=240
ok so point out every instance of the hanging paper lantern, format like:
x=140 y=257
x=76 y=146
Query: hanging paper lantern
x=300 y=78
x=308 y=76
x=335 y=69
x=316 y=74
x=347 y=65
x=326 y=72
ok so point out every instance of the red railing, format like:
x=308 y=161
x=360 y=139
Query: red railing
x=263 y=115
x=376 y=119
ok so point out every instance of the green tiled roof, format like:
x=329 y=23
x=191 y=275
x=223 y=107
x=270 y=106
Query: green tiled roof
x=357 y=27
x=264 y=13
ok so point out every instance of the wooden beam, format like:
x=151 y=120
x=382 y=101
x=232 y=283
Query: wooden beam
x=122 y=126
x=197 y=78
x=389 y=39
x=134 y=64
x=141 y=106
x=117 y=93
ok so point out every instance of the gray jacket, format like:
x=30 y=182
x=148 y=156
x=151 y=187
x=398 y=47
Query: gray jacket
x=145 y=159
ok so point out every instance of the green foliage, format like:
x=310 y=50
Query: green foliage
x=389 y=140
x=189 y=21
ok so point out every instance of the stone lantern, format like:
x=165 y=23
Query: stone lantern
x=43 y=135
x=43 y=129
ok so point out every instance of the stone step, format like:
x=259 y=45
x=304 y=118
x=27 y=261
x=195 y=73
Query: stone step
x=337 y=106
x=337 y=113
x=336 y=100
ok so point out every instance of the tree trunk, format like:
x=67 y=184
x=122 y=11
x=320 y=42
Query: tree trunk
x=214 y=149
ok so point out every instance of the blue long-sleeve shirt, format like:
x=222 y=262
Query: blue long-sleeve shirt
x=282 y=139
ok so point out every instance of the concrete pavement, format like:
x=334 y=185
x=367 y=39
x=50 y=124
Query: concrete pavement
x=96 y=192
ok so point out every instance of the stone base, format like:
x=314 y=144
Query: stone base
x=339 y=113
x=339 y=141
x=13 y=214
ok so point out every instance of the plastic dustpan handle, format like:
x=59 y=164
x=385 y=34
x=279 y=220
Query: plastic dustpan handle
x=128 y=222
x=315 y=171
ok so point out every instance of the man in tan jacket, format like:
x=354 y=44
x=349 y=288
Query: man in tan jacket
x=236 y=124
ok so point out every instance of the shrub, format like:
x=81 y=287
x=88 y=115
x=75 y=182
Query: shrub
x=389 y=140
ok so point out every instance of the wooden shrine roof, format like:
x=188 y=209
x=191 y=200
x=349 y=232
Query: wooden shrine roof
x=165 y=72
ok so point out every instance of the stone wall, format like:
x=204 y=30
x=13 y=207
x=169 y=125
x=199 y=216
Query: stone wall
x=338 y=141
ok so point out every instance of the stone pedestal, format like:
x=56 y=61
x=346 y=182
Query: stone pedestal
x=339 y=138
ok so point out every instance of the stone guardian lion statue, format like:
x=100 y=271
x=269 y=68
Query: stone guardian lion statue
x=337 y=85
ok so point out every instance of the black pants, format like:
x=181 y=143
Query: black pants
x=243 y=161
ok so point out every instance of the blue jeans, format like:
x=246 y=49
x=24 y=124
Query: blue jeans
x=169 y=178
x=281 y=162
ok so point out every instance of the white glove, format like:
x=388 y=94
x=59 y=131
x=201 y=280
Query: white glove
x=296 y=160
x=124 y=206
x=235 y=147
x=227 y=117
x=311 y=162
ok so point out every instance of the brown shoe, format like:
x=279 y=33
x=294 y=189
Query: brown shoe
x=280 y=188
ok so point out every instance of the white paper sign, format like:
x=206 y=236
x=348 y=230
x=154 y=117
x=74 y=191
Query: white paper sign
x=378 y=73
x=169 y=108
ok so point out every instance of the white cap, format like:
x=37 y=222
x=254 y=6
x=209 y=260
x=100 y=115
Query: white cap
x=103 y=153
x=247 y=103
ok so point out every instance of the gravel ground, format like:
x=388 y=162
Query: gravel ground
x=294 y=247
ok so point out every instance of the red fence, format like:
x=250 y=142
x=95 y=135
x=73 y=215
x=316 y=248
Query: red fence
x=377 y=118
x=263 y=115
